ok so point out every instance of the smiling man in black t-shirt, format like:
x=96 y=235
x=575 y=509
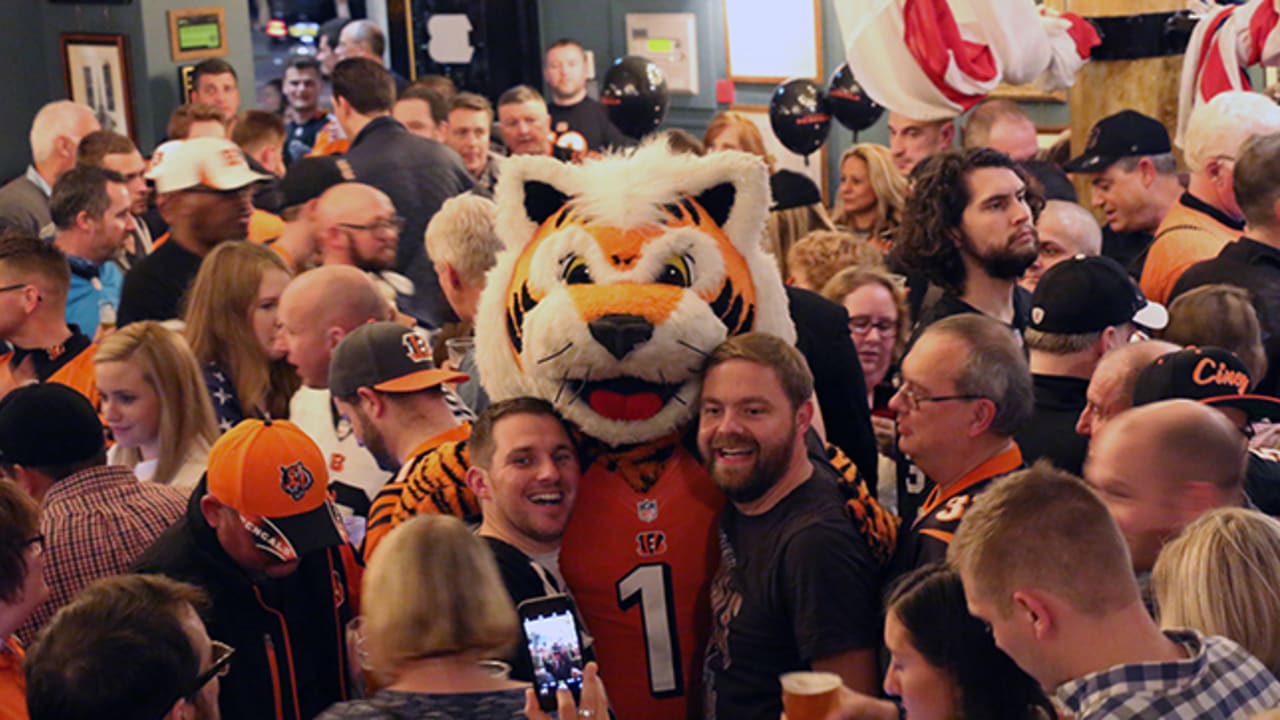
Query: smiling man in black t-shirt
x=797 y=587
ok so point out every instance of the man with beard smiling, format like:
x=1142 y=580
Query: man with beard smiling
x=969 y=228
x=382 y=379
x=797 y=588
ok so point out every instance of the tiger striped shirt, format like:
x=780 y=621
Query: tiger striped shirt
x=432 y=480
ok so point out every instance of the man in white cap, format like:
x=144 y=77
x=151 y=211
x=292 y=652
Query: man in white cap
x=203 y=190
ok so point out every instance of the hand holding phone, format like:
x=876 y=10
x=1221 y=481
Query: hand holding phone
x=554 y=645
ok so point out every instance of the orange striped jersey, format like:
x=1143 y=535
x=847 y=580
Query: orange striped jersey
x=639 y=565
x=432 y=480
x=76 y=372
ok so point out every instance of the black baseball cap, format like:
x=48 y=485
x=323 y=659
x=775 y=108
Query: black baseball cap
x=792 y=190
x=48 y=424
x=1126 y=134
x=388 y=357
x=308 y=177
x=1211 y=375
x=1089 y=294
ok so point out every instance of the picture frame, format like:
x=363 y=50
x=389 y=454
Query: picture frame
x=765 y=46
x=197 y=33
x=95 y=68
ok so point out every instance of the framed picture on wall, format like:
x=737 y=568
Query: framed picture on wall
x=96 y=70
x=816 y=167
x=767 y=45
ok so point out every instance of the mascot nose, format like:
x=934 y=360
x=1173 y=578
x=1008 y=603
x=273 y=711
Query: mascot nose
x=619 y=334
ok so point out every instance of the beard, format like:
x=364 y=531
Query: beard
x=375 y=443
x=1003 y=263
x=770 y=464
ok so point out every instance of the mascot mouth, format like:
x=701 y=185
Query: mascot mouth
x=623 y=398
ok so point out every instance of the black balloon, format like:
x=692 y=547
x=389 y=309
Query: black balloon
x=635 y=95
x=850 y=103
x=799 y=115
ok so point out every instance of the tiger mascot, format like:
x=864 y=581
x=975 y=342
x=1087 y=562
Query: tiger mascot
x=619 y=276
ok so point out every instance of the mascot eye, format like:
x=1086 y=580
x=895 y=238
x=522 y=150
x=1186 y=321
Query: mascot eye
x=576 y=272
x=677 y=272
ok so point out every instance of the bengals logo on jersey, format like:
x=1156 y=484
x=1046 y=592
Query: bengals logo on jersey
x=416 y=347
x=622 y=288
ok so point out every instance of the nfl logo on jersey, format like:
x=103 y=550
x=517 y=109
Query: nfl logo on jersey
x=647 y=510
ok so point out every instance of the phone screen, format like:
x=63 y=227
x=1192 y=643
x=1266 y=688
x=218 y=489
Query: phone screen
x=555 y=649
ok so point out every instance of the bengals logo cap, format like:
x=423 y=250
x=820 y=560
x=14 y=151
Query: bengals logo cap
x=387 y=357
x=274 y=476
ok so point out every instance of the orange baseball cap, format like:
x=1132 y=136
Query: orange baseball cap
x=274 y=476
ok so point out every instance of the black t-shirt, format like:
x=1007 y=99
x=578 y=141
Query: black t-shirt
x=1051 y=431
x=524 y=580
x=1262 y=480
x=796 y=584
x=1127 y=248
x=153 y=289
x=300 y=137
x=588 y=118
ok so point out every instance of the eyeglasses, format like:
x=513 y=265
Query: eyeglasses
x=221 y=653
x=36 y=542
x=15 y=286
x=914 y=398
x=395 y=225
x=863 y=324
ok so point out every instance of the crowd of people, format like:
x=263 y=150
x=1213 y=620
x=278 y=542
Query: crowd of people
x=239 y=367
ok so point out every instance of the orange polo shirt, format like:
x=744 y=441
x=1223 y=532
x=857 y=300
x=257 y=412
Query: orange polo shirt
x=13 y=685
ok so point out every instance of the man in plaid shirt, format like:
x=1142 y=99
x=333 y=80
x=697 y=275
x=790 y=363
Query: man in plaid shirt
x=1045 y=566
x=95 y=518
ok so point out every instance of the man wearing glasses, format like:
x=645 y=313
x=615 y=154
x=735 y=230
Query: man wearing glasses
x=128 y=646
x=262 y=538
x=965 y=389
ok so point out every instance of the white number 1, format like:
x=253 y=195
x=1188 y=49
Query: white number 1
x=650 y=586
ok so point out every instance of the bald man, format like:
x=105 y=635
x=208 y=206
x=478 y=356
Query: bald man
x=1066 y=229
x=1002 y=125
x=55 y=134
x=358 y=226
x=1158 y=467
x=317 y=310
x=1110 y=390
x=912 y=140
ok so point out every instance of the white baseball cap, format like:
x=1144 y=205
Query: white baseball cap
x=214 y=163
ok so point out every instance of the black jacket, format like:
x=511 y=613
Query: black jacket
x=418 y=175
x=289 y=634
x=822 y=336
x=1255 y=267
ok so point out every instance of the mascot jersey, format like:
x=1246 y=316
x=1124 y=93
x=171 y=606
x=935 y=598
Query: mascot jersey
x=618 y=278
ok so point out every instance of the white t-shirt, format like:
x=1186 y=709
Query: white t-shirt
x=187 y=477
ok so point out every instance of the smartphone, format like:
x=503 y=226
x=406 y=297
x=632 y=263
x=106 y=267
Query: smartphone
x=554 y=645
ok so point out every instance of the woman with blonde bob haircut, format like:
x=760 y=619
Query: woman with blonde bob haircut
x=434 y=607
x=1219 y=577
x=231 y=325
x=872 y=193
x=155 y=402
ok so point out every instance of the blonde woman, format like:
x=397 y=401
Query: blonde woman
x=155 y=402
x=872 y=193
x=424 y=638
x=231 y=325
x=1221 y=576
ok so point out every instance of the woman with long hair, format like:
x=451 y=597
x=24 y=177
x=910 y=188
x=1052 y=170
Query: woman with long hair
x=872 y=193
x=231 y=325
x=943 y=662
x=155 y=402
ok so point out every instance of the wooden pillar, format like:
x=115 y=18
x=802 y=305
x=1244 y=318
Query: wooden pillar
x=1105 y=87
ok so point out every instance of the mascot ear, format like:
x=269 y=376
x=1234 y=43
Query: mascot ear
x=541 y=201
x=530 y=190
x=718 y=202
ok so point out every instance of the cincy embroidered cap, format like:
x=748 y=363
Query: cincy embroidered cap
x=214 y=163
x=1089 y=294
x=1211 y=375
x=274 y=476
x=1128 y=133
x=387 y=357
x=48 y=424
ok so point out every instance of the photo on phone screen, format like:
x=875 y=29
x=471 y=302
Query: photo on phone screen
x=555 y=647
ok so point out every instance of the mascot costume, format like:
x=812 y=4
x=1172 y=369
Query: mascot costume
x=619 y=276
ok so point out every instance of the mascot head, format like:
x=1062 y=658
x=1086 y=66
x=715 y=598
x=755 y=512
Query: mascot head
x=618 y=278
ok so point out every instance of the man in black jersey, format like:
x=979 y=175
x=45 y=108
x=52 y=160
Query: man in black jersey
x=565 y=70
